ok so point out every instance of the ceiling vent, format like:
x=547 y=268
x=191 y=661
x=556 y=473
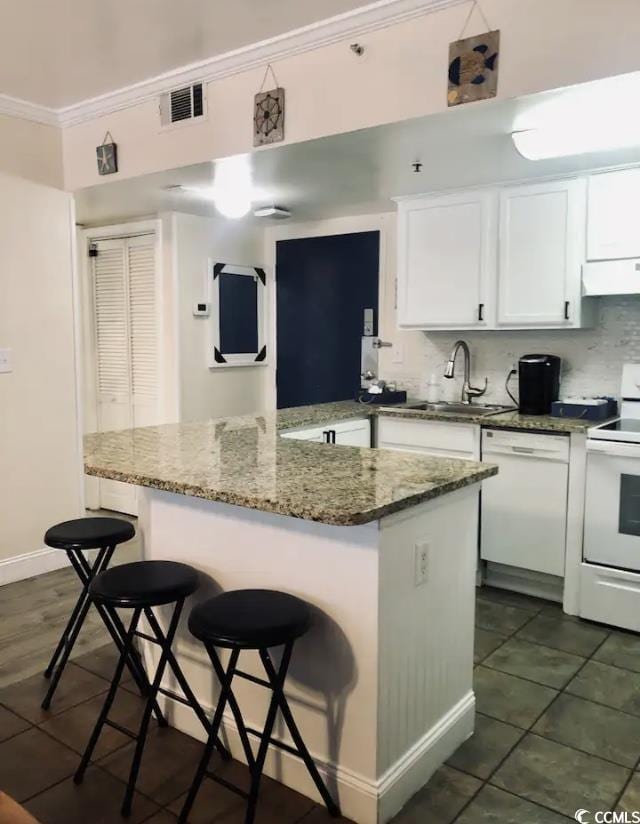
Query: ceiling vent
x=182 y=105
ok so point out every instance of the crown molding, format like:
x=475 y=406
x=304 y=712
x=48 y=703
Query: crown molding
x=355 y=23
x=23 y=109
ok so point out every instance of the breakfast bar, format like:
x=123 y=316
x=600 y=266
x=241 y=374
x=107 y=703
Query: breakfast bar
x=383 y=545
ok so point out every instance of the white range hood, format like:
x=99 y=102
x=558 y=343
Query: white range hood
x=611 y=277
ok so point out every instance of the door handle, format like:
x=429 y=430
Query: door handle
x=481 y=311
x=566 y=310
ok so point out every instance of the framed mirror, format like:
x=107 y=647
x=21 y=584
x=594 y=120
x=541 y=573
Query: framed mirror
x=238 y=315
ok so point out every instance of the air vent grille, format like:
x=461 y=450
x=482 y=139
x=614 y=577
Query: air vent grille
x=182 y=104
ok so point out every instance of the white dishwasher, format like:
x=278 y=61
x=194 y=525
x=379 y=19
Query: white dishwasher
x=524 y=508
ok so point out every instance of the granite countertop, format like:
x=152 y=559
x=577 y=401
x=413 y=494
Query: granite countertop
x=244 y=461
x=321 y=414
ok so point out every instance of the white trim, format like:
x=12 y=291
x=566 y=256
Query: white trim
x=14 y=107
x=20 y=567
x=361 y=798
x=76 y=297
x=351 y=24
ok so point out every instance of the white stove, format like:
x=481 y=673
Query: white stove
x=610 y=578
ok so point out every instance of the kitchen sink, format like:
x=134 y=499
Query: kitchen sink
x=454 y=408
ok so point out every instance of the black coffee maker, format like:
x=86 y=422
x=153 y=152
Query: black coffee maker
x=539 y=383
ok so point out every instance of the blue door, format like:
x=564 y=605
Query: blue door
x=323 y=286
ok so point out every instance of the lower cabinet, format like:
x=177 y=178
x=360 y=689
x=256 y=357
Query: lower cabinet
x=355 y=432
x=439 y=438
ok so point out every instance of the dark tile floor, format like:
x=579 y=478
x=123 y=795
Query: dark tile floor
x=558 y=729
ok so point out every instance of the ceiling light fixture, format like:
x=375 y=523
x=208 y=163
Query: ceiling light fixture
x=232 y=186
x=549 y=142
x=277 y=212
x=592 y=117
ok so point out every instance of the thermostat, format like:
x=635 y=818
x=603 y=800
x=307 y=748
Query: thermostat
x=201 y=309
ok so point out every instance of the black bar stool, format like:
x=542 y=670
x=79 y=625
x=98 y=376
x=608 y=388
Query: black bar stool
x=255 y=619
x=74 y=537
x=140 y=586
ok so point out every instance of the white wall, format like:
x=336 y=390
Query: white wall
x=402 y=74
x=31 y=150
x=206 y=392
x=39 y=442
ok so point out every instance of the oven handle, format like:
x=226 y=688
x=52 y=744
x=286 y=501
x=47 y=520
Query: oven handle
x=619 y=450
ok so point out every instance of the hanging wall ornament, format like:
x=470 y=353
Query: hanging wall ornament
x=268 y=113
x=107 y=156
x=473 y=64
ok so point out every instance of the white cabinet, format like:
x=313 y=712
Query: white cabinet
x=612 y=225
x=439 y=438
x=504 y=258
x=524 y=507
x=356 y=432
x=541 y=251
x=446 y=261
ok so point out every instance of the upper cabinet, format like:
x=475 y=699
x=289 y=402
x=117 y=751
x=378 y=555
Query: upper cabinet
x=446 y=259
x=541 y=251
x=503 y=258
x=612 y=226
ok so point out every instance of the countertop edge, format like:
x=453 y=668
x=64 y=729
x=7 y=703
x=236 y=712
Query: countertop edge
x=356 y=519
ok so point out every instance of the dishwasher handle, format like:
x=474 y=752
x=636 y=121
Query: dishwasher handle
x=524 y=452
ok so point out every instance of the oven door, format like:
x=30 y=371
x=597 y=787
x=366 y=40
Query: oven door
x=612 y=505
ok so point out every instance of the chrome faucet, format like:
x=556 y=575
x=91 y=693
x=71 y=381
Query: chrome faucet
x=468 y=392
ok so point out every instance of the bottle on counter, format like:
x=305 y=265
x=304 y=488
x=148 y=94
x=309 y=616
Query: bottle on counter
x=433 y=389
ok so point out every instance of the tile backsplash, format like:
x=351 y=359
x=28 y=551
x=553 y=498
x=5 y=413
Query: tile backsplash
x=591 y=358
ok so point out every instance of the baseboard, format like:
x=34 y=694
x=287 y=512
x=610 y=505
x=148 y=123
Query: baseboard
x=361 y=799
x=412 y=771
x=525 y=581
x=31 y=564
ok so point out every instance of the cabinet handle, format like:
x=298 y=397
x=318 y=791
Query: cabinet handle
x=481 y=311
x=326 y=435
x=333 y=435
x=566 y=310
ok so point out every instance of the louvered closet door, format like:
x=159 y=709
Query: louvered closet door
x=125 y=324
x=143 y=330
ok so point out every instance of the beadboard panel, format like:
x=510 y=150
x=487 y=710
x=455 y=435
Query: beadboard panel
x=426 y=631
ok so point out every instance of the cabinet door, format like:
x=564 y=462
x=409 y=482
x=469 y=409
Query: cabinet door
x=446 y=261
x=542 y=228
x=316 y=435
x=352 y=433
x=612 y=227
x=439 y=438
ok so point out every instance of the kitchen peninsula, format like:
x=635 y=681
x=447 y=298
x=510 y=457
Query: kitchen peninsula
x=382 y=544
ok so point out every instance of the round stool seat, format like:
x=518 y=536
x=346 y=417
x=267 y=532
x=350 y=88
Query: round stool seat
x=144 y=584
x=250 y=619
x=89 y=533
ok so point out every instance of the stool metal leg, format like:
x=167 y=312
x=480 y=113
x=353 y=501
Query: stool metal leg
x=225 y=690
x=165 y=642
x=111 y=694
x=277 y=680
x=231 y=700
x=278 y=693
x=70 y=634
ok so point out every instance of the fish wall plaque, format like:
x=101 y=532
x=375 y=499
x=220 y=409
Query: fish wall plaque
x=473 y=68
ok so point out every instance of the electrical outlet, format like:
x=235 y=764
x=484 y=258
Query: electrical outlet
x=421 y=563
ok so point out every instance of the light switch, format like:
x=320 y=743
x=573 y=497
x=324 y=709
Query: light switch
x=5 y=360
